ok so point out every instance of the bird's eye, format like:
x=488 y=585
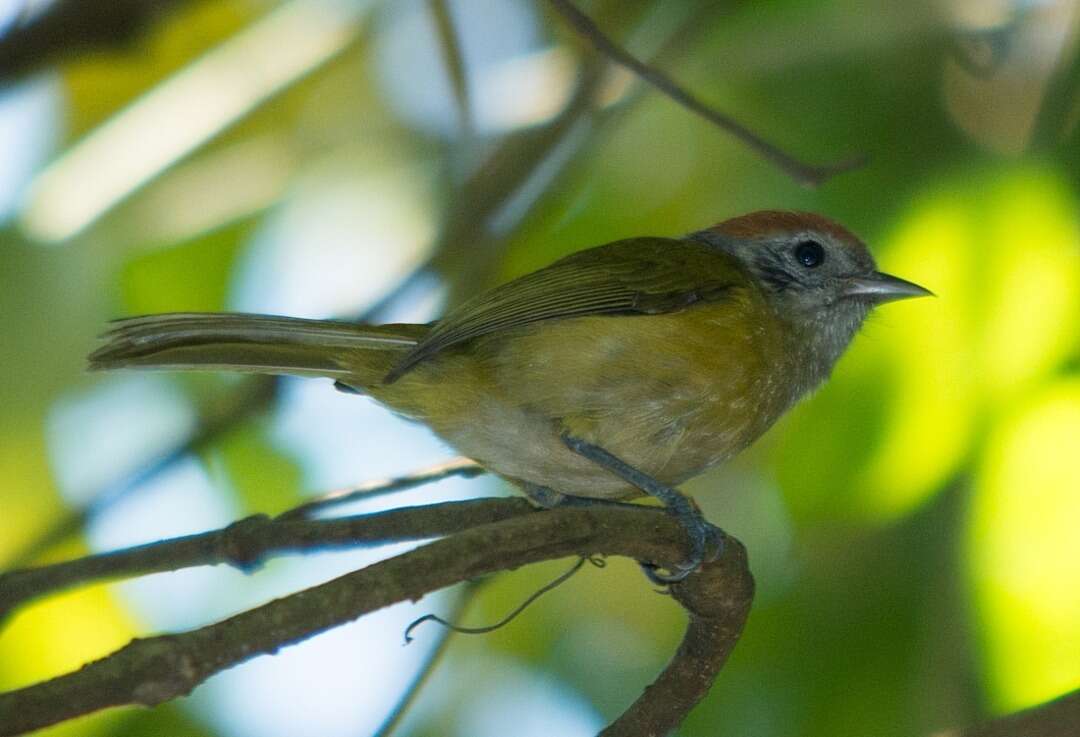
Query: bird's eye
x=809 y=254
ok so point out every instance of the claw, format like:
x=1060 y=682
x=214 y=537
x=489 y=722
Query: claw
x=706 y=545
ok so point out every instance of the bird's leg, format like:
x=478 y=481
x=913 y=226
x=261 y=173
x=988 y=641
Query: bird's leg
x=680 y=505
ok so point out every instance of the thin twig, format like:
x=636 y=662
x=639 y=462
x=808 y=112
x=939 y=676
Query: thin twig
x=158 y=669
x=801 y=172
x=463 y=467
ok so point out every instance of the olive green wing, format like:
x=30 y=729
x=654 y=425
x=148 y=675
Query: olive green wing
x=634 y=276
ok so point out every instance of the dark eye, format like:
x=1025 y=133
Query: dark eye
x=809 y=254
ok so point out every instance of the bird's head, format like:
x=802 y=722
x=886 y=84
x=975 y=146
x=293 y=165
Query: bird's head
x=815 y=273
x=807 y=262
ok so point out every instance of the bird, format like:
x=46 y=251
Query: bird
x=618 y=371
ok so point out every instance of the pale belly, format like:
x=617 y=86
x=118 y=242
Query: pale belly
x=527 y=447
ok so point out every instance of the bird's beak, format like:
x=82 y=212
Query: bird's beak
x=879 y=287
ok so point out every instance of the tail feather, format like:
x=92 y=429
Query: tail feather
x=252 y=343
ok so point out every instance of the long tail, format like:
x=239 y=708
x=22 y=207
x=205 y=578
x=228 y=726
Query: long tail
x=263 y=344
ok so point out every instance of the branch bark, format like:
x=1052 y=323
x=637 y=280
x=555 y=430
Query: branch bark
x=245 y=544
x=157 y=669
x=718 y=605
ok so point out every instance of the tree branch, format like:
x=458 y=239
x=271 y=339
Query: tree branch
x=247 y=542
x=717 y=601
x=158 y=669
x=803 y=173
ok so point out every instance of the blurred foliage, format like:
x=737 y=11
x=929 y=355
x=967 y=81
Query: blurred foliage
x=911 y=526
x=100 y=83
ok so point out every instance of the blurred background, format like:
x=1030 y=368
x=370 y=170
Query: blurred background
x=912 y=527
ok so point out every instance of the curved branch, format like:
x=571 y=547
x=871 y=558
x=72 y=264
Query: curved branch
x=718 y=605
x=158 y=669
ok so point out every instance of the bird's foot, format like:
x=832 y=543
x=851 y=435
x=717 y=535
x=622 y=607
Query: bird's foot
x=682 y=507
x=712 y=537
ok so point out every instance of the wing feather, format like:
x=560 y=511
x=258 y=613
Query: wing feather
x=635 y=276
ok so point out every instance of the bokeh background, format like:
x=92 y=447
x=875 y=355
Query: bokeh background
x=913 y=527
